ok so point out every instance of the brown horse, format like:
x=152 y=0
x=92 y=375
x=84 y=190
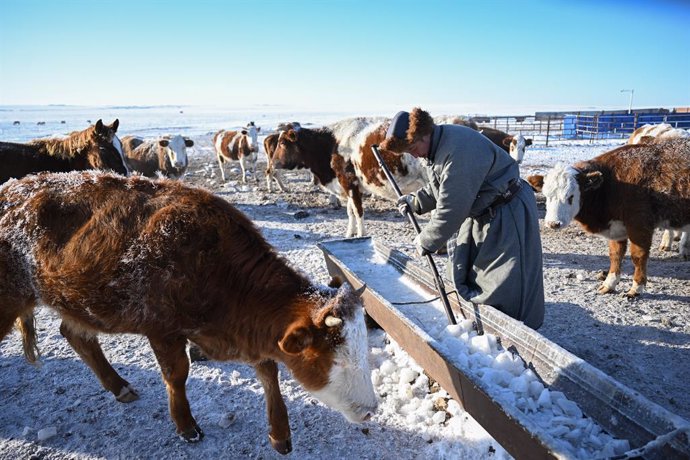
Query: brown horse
x=96 y=147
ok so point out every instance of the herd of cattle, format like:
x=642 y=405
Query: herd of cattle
x=119 y=253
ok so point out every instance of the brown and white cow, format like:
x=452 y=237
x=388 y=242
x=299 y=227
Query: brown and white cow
x=623 y=195
x=173 y=263
x=514 y=145
x=650 y=133
x=661 y=132
x=340 y=158
x=166 y=155
x=270 y=144
x=242 y=146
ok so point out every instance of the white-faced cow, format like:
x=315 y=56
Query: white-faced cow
x=515 y=145
x=661 y=132
x=166 y=155
x=623 y=195
x=175 y=263
x=242 y=146
x=340 y=158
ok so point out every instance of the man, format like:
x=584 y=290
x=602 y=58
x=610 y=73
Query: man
x=485 y=214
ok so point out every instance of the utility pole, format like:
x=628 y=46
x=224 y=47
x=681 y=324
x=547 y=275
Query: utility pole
x=631 y=91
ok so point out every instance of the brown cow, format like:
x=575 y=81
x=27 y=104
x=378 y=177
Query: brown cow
x=623 y=195
x=340 y=158
x=166 y=155
x=96 y=147
x=175 y=263
x=270 y=144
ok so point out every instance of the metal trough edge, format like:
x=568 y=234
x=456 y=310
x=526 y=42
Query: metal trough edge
x=623 y=412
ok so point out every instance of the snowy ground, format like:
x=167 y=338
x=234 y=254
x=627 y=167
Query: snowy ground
x=643 y=344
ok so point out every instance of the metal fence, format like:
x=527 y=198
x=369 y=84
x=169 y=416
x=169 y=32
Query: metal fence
x=581 y=126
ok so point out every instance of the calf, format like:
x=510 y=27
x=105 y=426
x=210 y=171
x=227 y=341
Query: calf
x=242 y=146
x=175 y=263
x=623 y=195
x=166 y=155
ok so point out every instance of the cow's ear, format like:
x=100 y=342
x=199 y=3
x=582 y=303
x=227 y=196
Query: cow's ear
x=115 y=125
x=244 y=131
x=335 y=282
x=291 y=135
x=506 y=142
x=528 y=142
x=297 y=339
x=536 y=181
x=188 y=142
x=99 y=126
x=593 y=180
x=163 y=142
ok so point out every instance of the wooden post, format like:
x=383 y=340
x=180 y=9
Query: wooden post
x=548 y=129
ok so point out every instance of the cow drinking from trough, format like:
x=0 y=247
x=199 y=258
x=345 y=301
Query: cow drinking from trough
x=623 y=195
x=241 y=146
x=166 y=155
x=96 y=147
x=173 y=263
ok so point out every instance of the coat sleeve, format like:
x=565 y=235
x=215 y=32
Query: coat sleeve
x=459 y=185
x=424 y=200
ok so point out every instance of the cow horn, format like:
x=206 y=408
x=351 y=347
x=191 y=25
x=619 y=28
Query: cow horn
x=361 y=290
x=332 y=321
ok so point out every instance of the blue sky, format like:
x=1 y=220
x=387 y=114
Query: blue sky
x=460 y=57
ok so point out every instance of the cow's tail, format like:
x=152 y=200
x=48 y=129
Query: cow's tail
x=27 y=327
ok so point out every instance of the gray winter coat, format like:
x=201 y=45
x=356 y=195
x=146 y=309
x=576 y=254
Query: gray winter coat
x=495 y=257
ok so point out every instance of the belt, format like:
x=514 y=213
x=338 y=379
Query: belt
x=514 y=187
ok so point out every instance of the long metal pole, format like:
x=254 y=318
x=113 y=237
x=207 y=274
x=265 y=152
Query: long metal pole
x=410 y=215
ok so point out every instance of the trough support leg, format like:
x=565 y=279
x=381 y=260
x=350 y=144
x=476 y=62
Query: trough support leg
x=90 y=351
x=174 y=365
x=267 y=371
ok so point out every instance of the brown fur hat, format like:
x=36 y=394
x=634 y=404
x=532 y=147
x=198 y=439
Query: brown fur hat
x=419 y=124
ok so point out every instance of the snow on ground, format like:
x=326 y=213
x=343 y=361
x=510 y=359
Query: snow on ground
x=60 y=410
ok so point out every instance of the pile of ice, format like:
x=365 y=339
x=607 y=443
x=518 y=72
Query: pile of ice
x=508 y=381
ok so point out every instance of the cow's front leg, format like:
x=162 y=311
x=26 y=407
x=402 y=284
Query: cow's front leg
x=666 y=240
x=220 y=165
x=243 y=167
x=616 y=252
x=267 y=371
x=174 y=364
x=640 y=242
x=684 y=244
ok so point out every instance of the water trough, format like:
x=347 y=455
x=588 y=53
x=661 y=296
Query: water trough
x=642 y=426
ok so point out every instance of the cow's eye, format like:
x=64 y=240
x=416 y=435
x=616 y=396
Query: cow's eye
x=570 y=199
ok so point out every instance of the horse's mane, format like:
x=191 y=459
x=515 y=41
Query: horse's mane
x=68 y=147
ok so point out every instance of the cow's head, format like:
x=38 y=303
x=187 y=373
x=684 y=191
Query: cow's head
x=516 y=146
x=328 y=353
x=175 y=148
x=110 y=154
x=287 y=153
x=253 y=133
x=563 y=188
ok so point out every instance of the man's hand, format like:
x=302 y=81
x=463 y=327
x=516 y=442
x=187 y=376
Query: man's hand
x=419 y=249
x=406 y=204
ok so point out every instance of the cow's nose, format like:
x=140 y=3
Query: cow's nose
x=554 y=224
x=367 y=417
